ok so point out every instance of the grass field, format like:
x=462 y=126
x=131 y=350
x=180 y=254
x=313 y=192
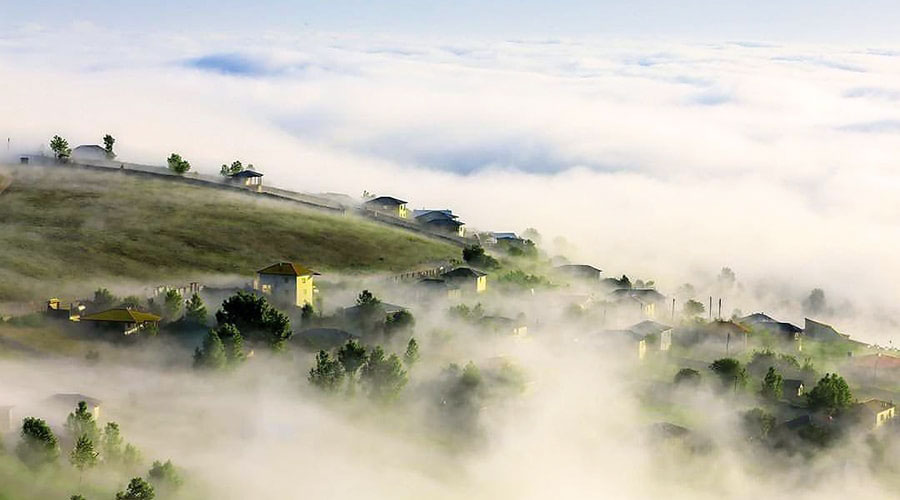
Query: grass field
x=72 y=230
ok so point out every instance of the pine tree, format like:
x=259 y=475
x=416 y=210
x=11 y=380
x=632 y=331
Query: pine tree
x=772 y=385
x=138 y=489
x=384 y=376
x=195 y=310
x=131 y=457
x=83 y=455
x=164 y=476
x=81 y=422
x=38 y=445
x=233 y=343
x=412 y=352
x=211 y=355
x=327 y=374
x=111 y=443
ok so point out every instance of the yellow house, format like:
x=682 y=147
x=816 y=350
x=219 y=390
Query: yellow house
x=287 y=283
x=878 y=412
x=70 y=401
x=388 y=205
x=468 y=279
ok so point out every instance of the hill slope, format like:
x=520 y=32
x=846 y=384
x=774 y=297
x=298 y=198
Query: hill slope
x=77 y=228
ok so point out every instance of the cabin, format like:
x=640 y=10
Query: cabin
x=123 y=319
x=467 y=279
x=437 y=288
x=875 y=413
x=70 y=401
x=625 y=341
x=785 y=332
x=657 y=335
x=644 y=300
x=388 y=205
x=249 y=179
x=582 y=272
x=72 y=311
x=504 y=325
x=442 y=221
x=287 y=283
x=89 y=152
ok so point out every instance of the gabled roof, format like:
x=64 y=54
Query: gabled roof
x=385 y=200
x=641 y=294
x=757 y=318
x=820 y=331
x=244 y=174
x=287 y=269
x=442 y=214
x=384 y=306
x=442 y=222
x=649 y=327
x=876 y=405
x=90 y=147
x=74 y=398
x=579 y=268
x=122 y=315
x=505 y=236
x=463 y=272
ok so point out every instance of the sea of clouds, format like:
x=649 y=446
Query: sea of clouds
x=663 y=160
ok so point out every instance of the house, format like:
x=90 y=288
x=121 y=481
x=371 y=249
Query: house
x=70 y=401
x=354 y=312
x=287 y=283
x=6 y=420
x=726 y=336
x=89 y=152
x=657 y=335
x=72 y=311
x=388 y=205
x=504 y=325
x=627 y=340
x=247 y=178
x=813 y=330
x=437 y=287
x=316 y=339
x=441 y=221
x=508 y=237
x=124 y=319
x=582 y=272
x=874 y=413
x=467 y=279
x=646 y=300
x=786 y=332
x=793 y=390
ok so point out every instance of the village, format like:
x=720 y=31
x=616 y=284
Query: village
x=798 y=388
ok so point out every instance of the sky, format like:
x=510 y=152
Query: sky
x=656 y=155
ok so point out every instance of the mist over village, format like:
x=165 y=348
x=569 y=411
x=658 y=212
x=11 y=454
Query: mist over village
x=513 y=250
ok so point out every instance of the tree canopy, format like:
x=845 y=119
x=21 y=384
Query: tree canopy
x=831 y=394
x=60 y=148
x=772 y=385
x=730 y=372
x=178 y=164
x=38 y=445
x=383 y=376
x=256 y=319
x=328 y=373
x=137 y=489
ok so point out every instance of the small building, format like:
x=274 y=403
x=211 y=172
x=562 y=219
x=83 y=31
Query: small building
x=250 y=179
x=645 y=299
x=783 y=331
x=128 y=321
x=581 y=272
x=437 y=288
x=504 y=325
x=627 y=340
x=467 y=279
x=442 y=221
x=388 y=205
x=316 y=339
x=287 y=283
x=89 y=152
x=72 y=311
x=657 y=335
x=813 y=330
x=70 y=402
x=874 y=413
x=793 y=390
x=353 y=312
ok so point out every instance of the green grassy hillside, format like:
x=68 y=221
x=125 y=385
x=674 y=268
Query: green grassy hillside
x=73 y=229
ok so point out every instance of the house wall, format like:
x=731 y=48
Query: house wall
x=481 y=284
x=883 y=417
x=642 y=349
x=288 y=290
x=665 y=340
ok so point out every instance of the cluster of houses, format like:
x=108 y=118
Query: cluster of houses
x=436 y=220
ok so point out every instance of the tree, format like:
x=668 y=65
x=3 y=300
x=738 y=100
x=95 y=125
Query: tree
x=730 y=372
x=384 y=377
x=412 y=352
x=726 y=279
x=195 y=310
x=352 y=356
x=131 y=457
x=111 y=443
x=233 y=342
x=400 y=321
x=164 y=476
x=772 y=385
x=173 y=304
x=831 y=394
x=108 y=142
x=815 y=304
x=475 y=255
x=532 y=234
x=693 y=308
x=81 y=422
x=178 y=164
x=131 y=302
x=76 y=497
x=104 y=299
x=137 y=489
x=328 y=374
x=687 y=376
x=235 y=168
x=211 y=355
x=757 y=424
x=370 y=315
x=60 y=148
x=257 y=321
x=38 y=445
x=83 y=455
x=306 y=313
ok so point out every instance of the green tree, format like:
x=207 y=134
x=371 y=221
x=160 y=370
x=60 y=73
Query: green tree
x=772 y=385
x=164 y=476
x=692 y=308
x=108 y=143
x=233 y=342
x=370 y=315
x=76 y=497
x=352 y=356
x=730 y=372
x=475 y=255
x=38 y=446
x=195 y=310
x=131 y=457
x=757 y=424
x=104 y=299
x=211 y=355
x=687 y=376
x=384 y=376
x=60 y=148
x=178 y=164
x=173 y=304
x=131 y=302
x=831 y=394
x=81 y=422
x=235 y=167
x=83 y=455
x=137 y=489
x=328 y=374
x=306 y=313
x=257 y=321
x=111 y=443
x=400 y=321
x=412 y=352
